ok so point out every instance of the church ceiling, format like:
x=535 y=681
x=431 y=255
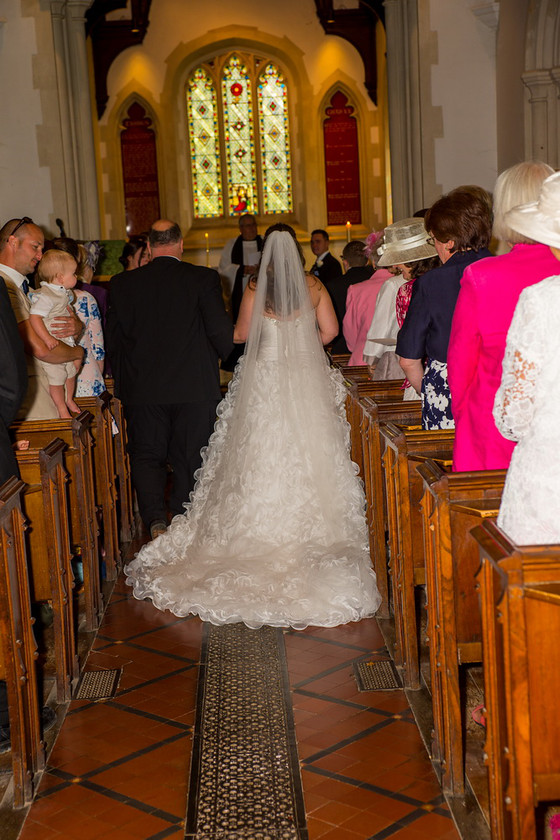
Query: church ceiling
x=110 y=37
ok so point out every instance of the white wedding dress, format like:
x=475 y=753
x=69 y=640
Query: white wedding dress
x=275 y=531
x=526 y=409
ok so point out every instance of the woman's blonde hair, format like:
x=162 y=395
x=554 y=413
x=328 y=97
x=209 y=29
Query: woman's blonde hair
x=520 y=184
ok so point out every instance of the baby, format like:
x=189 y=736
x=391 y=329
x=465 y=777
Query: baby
x=57 y=273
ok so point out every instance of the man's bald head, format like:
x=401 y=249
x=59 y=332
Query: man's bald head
x=165 y=239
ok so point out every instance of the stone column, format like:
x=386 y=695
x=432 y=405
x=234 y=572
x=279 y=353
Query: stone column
x=401 y=23
x=541 y=118
x=70 y=215
x=81 y=110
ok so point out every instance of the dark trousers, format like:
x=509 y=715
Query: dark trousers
x=162 y=434
x=8 y=463
x=8 y=468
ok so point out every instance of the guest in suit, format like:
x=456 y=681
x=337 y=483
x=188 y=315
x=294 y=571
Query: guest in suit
x=13 y=381
x=326 y=267
x=239 y=261
x=21 y=247
x=166 y=329
x=13 y=385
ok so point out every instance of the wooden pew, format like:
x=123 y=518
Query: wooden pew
x=78 y=461
x=49 y=555
x=105 y=476
x=338 y=359
x=122 y=465
x=452 y=504
x=405 y=449
x=18 y=649
x=389 y=390
x=122 y=470
x=373 y=414
x=520 y=603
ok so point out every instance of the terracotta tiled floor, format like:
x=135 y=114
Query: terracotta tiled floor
x=119 y=768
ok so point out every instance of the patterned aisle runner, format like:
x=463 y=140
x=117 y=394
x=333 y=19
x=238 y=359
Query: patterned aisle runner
x=245 y=781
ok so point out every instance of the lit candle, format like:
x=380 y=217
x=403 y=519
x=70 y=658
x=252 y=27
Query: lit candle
x=207 y=250
x=348 y=231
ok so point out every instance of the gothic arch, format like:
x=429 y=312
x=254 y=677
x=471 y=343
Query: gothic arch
x=542 y=81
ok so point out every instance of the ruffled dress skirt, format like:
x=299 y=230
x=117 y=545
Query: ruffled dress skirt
x=267 y=538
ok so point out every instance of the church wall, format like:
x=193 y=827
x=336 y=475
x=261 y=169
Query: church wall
x=457 y=58
x=31 y=168
x=178 y=37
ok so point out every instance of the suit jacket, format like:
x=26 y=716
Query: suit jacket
x=166 y=328
x=13 y=370
x=329 y=270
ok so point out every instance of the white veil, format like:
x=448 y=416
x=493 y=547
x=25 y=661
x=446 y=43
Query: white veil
x=306 y=393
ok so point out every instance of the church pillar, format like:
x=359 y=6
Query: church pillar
x=401 y=24
x=70 y=214
x=542 y=116
x=76 y=117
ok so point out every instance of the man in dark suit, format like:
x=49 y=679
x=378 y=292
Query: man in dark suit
x=326 y=267
x=13 y=381
x=166 y=329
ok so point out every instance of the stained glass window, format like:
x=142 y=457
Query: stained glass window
x=240 y=147
x=241 y=139
x=205 y=145
x=275 y=141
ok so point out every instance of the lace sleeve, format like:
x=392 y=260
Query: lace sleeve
x=513 y=406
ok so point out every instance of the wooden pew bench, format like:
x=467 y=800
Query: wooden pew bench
x=122 y=471
x=122 y=465
x=520 y=604
x=105 y=476
x=389 y=390
x=78 y=461
x=49 y=555
x=373 y=415
x=452 y=504
x=18 y=649
x=405 y=449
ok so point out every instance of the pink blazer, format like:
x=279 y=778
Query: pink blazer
x=360 y=306
x=489 y=292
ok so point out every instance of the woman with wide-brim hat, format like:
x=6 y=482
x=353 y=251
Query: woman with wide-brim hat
x=460 y=227
x=527 y=403
x=408 y=254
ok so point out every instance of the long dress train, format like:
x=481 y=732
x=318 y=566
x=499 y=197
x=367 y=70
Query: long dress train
x=274 y=532
x=254 y=544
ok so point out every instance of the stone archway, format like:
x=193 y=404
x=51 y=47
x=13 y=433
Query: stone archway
x=542 y=80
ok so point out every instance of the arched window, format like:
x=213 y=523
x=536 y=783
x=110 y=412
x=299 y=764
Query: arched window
x=239 y=142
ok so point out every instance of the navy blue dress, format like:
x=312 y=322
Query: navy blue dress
x=426 y=330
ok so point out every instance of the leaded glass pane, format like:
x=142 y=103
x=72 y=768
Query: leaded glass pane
x=205 y=148
x=240 y=147
x=275 y=141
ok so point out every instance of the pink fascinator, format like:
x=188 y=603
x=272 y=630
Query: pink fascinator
x=373 y=242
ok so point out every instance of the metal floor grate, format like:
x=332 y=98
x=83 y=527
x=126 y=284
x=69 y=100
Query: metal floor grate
x=376 y=675
x=99 y=685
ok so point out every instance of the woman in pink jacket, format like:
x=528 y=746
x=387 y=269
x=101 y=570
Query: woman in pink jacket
x=489 y=292
x=360 y=303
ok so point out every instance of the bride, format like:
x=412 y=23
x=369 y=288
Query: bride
x=274 y=532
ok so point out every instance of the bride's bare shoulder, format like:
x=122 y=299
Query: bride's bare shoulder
x=315 y=288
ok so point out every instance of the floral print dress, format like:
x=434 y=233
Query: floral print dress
x=90 y=378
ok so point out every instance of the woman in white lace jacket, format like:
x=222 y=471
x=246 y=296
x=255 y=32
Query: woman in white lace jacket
x=527 y=404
